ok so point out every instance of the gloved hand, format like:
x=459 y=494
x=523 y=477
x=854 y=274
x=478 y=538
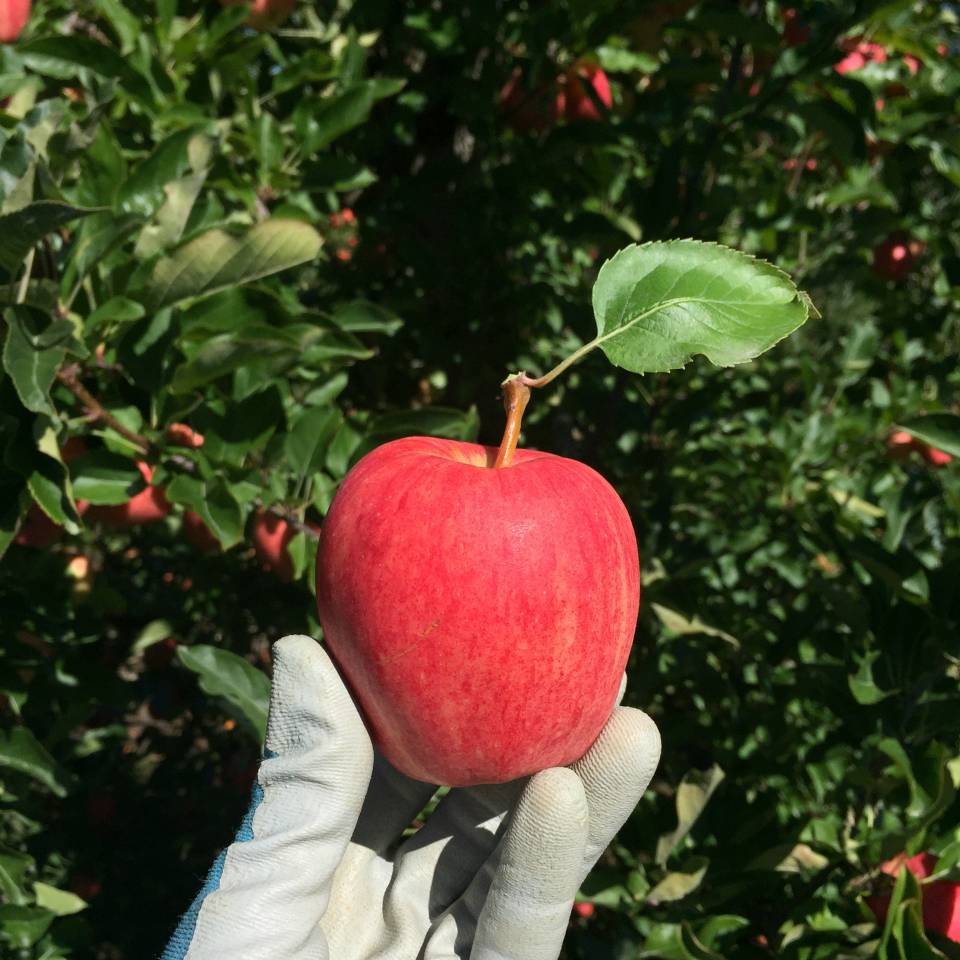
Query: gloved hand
x=319 y=867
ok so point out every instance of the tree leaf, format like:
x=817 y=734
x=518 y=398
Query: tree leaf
x=222 y=514
x=659 y=304
x=862 y=685
x=321 y=122
x=62 y=903
x=217 y=260
x=13 y=870
x=677 y=623
x=31 y=364
x=20 y=230
x=224 y=674
x=264 y=351
x=362 y=316
x=306 y=443
x=65 y=57
x=171 y=218
x=679 y=883
x=102 y=477
x=940 y=430
x=693 y=794
x=24 y=926
x=21 y=751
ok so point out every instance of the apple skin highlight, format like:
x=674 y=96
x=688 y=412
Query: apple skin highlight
x=481 y=617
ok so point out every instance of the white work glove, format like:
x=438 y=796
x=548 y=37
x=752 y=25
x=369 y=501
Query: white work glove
x=319 y=868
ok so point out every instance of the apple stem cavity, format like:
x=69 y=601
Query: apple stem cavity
x=516 y=393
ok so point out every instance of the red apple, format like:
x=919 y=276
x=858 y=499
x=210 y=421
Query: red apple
x=148 y=506
x=860 y=56
x=14 y=15
x=933 y=456
x=578 y=104
x=896 y=256
x=899 y=444
x=585 y=910
x=198 y=534
x=159 y=655
x=526 y=110
x=265 y=14
x=941 y=899
x=85 y=886
x=271 y=535
x=37 y=530
x=482 y=616
x=795 y=32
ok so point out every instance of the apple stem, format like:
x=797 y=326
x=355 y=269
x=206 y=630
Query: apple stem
x=516 y=393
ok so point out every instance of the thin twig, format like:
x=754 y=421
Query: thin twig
x=68 y=377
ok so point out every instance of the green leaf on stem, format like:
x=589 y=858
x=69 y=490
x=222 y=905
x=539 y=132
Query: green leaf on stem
x=659 y=304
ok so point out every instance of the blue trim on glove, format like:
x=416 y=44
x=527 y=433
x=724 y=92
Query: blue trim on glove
x=180 y=941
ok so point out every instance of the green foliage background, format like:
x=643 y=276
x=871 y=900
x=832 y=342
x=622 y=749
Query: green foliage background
x=166 y=179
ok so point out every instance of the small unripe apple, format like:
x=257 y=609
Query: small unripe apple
x=148 y=506
x=482 y=616
x=14 y=15
x=265 y=14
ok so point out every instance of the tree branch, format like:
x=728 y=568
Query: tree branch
x=68 y=377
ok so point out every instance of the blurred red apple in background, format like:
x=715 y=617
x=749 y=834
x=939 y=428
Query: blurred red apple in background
x=896 y=256
x=941 y=899
x=270 y=535
x=148 y=506
x=14 y=15
x=265 y=14
x=795 y=32
x=198 y=534
x=529 y=110
x=482 y=617
x=577 y=103
x=37 y=529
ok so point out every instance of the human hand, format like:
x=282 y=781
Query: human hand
x=321 y=866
